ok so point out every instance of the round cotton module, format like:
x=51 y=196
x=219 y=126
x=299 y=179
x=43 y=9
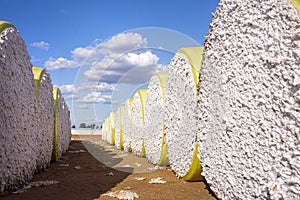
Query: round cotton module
x=62 y=126
x=249 y=101
x=112 y=126
x=138 y=108
x=127 y=125
x=45 y=117
x=18 y=128
x=57 y=138
x=153 y=130
x=66 y=126
x=119 y=127
x=180 y=113
x=103 y=130
x=106 y=129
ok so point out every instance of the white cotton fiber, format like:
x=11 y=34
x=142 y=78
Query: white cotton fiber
x=45 y=117
x=138 y=108
x=180 y=112
x=119 y=127
x=127 y=125
x=153 y=130
x=249 y=101
x=18 y=130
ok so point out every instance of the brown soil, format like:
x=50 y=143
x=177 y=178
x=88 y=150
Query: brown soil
x=82 y=176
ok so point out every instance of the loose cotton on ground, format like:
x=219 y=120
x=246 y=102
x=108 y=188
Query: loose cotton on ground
x=249 y=101
x=153 y=130
x=180 y=113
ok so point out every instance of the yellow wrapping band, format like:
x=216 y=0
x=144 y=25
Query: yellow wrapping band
x=143 y=95
x=162 y=77
x=108 y=128
x=194 y=55
x=55 y=142
x=163 y=160
x=122 y=109
x=37 y=74
x=113 y=126
x=130 y=101
x=296 y=4
x=194 y=173
x=5 y=25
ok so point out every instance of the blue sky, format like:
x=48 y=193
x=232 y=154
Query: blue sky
x=100 y=51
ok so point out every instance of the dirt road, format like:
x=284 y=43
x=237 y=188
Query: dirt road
x=91 y=169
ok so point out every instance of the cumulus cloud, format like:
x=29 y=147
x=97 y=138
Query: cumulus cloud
x=111 y=59
x=67 y=89
x=123 y=43
x=72 y=97
x=41 y=45
x=111 y=69
x=95 y=97
x=60 y=63
x=90 y=86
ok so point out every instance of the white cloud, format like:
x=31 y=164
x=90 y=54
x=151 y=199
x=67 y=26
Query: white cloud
x=111 y=59
x=100 y=87
x=90 y=86
x=95 y=97
x=60 y=63
x=123 y=43
x=72 y=97
x=41 y=45
x=83 y=106
x=110 y=69
x=67 y=89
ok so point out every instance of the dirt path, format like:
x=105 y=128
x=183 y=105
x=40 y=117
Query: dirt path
x=92 y=168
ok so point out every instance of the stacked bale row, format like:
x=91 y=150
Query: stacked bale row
x=27 y=113
x=240 y=113
x=160 y=122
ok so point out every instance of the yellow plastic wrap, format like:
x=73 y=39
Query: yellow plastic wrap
x=112 y=126
x=4 y=25
x=194 y=173
x=163 y=160
x=37 y=74
x=55 y=142
x=143 y=95
x=296 y=4
x=108 y=128
x=194 y=55
x=130 y=100
x=122 y=110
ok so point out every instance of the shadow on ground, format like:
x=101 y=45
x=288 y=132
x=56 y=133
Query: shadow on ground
x=80 y=176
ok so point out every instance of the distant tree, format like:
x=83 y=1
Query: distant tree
x=82 y=125
x=92 y=126
x=73 y=126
